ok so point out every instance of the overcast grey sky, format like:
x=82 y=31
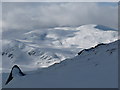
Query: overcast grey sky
x=60 y=0
x=26 y=15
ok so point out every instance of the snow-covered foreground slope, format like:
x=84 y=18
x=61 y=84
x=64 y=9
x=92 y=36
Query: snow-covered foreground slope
x=96 y=67
x=42 y=48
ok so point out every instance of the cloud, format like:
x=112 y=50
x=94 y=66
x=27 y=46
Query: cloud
x=60 y=0
x=26 y=15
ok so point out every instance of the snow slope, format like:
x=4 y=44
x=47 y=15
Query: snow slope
x=96 y=67
x=32 y=49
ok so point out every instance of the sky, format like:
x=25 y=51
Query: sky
x=35 y=15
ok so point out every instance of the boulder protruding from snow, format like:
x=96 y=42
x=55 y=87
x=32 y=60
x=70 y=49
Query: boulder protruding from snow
x=14 y=72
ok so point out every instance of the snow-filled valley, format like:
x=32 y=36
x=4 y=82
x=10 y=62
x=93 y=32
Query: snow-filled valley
x=34 y=49
x=96 y=67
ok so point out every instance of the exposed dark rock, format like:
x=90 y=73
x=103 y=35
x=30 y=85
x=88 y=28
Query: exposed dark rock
x=92 y=48
x=11 y=76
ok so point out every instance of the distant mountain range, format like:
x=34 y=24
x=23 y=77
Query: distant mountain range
x=42 y=48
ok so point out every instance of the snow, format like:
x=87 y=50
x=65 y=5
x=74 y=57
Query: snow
x=15 y=72
x=96 y=67
x=33 y=49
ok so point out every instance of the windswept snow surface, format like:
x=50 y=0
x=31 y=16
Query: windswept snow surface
x=32 y=49
x=96 y=67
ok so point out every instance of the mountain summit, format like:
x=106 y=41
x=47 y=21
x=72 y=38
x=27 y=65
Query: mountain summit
x=43 y=47
x=16 y=71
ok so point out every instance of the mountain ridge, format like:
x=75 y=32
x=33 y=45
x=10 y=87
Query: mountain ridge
x=97 y=65
x=42 y=48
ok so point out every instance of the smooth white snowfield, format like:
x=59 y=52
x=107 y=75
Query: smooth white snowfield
x=32 y=49
x=93 y=68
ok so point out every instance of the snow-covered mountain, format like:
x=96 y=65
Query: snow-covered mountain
x=34 y=49
x=96 y=67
